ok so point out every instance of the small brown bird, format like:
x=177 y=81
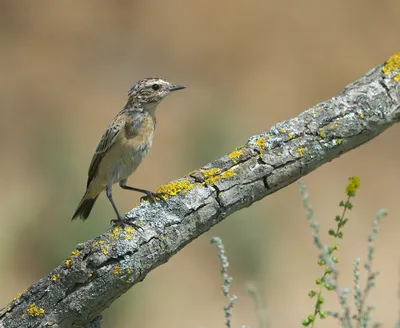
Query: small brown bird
x=124 y=145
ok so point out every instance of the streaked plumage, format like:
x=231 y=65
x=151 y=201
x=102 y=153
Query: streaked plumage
x=125 y=143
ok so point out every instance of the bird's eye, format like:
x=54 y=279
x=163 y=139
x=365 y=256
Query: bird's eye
x=155 y=87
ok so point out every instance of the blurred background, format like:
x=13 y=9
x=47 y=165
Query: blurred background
x=66 y=68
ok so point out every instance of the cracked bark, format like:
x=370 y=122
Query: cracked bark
x=100 y=270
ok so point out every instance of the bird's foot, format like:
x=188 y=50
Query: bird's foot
x=123 y=222
x=152 y=196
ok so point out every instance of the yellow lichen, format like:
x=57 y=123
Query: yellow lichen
x=283 y=130
x=129 y=270
x=211 y=172
x=228 y=174
x=17 y=297
x=240 y=148
x=55 y=277
x=339 y=141
x=101 y=242
x=361 y=115
x=117 y=270
x=130 y=230
x=188 y=175
x=212 y=176
x=261 y=143
x=322 y=133
x=68 y=263
x=174 y=188
x=75 y=253
x=392 y=65
x=117 y=229
x=301 y=151
x=128 y=237
x=35 y=311
x=290 y=135
x=235 y=155
x=104 y=250
x=113 y=236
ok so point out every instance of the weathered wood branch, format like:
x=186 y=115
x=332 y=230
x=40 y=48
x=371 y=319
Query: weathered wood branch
x=100 y=270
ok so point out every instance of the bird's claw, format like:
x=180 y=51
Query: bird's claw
x=152 y=196
x=123 y=222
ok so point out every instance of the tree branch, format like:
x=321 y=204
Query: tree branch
x=101 y=270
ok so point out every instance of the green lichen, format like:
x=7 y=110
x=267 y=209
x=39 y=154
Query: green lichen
x=333 y=126
x=322 y=133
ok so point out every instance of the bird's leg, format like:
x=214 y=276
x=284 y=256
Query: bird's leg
x=149 y=194
x=119 y=220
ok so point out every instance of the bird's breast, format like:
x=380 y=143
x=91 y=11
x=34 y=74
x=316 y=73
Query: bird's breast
x=128 y=151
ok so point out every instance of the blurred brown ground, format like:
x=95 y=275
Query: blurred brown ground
x=65 y=71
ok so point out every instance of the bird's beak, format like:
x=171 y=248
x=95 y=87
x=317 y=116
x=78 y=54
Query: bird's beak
x=176 y=87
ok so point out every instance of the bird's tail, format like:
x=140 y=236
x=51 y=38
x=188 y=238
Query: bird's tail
x=84 y=208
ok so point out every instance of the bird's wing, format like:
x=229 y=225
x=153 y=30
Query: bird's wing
x=107 y=140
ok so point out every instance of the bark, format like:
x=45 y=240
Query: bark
x=100 y=270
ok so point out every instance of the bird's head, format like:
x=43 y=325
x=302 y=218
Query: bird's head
x=152 y=90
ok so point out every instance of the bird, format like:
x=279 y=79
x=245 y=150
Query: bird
x=124 y=145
